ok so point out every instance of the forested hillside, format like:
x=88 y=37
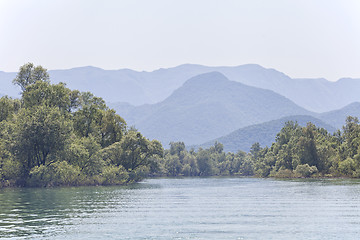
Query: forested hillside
x=55 y=136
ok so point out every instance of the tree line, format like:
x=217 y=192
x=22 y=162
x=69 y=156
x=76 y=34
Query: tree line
x=297 y=152
x=54 y=136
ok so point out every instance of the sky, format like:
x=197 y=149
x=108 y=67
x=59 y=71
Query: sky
x=302 y=38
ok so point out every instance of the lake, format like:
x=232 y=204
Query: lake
x=189 y=208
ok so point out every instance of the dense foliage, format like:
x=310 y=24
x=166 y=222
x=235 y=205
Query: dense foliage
x=297 y=152
x=55 y=136
x=311 y=151
x=213 y=161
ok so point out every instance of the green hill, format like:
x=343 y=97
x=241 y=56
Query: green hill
x=337 y=118
x=263 y=133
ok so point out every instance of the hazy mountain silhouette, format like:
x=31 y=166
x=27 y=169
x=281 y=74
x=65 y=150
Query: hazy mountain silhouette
x=6 y=85
x=139 y=88
x=263 y=133
x=337 y=118
x=205 y=107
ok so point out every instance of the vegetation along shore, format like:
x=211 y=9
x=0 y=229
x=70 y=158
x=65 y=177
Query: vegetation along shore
x=54 y=136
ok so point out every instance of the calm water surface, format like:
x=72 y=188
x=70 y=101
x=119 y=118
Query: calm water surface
x=190 y=208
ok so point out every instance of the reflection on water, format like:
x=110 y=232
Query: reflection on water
x=33 y=211
x=190 y=208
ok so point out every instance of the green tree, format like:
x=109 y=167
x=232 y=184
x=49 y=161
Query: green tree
x=88 y=118
x=204 y=163
x=51 y=95
x=351 y=136
x=39 y=132
x=29 y=74
x=111 y=127
x=176 y=148
x=306 y=147
x=174 y=166
x=8 y=107
x=136 y=150
x=54 y=136
x=255 y=150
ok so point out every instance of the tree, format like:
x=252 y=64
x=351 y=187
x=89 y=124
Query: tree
x=29 y=74
x=204 y=163
x=176 y=148
x=306 y=147
x=8 y=107
x=254 y=150
x=51 y=95
x=290 y=128
x=111 y=127
x=133 y=151
x=87 y=120
x=39 y=132
x=136 y=150
x=173 y=165
x=351 y=136
x=217 y=148
x=55 y=136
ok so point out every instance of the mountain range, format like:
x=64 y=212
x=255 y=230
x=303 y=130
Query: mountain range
x=137 y=88
x=192 y=103
x=263 y=133
x=210 y=105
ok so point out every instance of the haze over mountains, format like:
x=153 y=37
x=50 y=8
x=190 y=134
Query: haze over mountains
x=207 y=106
x=263 y=133
x=199 y=104
x=137 y=88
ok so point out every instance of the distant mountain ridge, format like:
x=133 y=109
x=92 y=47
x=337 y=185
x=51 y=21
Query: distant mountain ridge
x=137 y=88
x=337 y=118
x=263 y=133
x=6 y=85
x=207 y=106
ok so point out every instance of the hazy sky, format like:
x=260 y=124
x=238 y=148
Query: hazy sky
x=302 y=38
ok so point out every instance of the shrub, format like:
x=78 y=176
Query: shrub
x=11 y=170
x=304 y=170
x=55 y=174
x=114 y=175
x=282 y=173
x=347 y=167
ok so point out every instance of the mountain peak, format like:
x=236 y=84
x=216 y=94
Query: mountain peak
x=207 y=78
x=86 y=68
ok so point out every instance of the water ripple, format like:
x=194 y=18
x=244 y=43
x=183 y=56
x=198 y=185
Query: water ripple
x=194 y=208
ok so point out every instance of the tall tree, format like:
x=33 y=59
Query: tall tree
x=39 y=132
x=351 y=136
x=29 y=74
x=136 y=150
